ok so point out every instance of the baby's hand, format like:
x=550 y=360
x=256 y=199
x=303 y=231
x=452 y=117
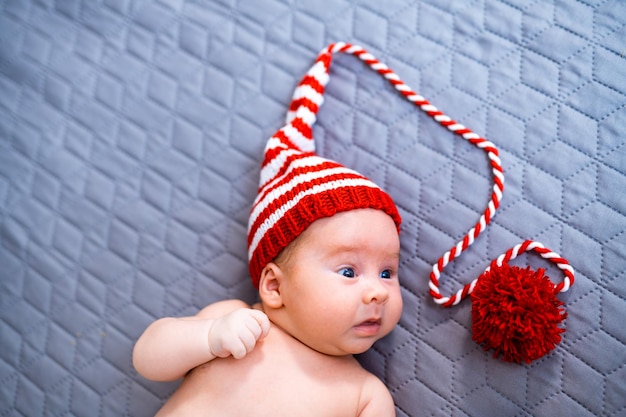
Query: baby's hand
x=237 y=333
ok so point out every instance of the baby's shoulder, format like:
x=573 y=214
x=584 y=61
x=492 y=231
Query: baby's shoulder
x=221 y=308
x=376 y=400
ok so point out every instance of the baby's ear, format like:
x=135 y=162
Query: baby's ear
x=269 y=285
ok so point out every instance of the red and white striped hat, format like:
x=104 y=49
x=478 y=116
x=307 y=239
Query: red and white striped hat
x=297 y=186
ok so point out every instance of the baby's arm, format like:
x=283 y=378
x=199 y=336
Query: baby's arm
x=170 y=347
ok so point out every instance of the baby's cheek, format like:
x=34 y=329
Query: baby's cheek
x=396 y=309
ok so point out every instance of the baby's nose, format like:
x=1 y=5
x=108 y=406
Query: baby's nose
x=375 y=292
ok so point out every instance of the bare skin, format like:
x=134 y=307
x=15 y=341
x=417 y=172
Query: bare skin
x=291 y=354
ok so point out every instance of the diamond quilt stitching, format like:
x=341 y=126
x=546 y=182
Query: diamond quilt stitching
x=130 y=139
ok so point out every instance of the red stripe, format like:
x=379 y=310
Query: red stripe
x=289 y=195
x=313 y=83
x=326 y=59
x=465 y=292
x=558 y=287
x=448 y=123
x=303 y=128
x=346 y=47
x=476 y=230
x=434 y=279
x=498 y=182
x=559 y=260
x=303 y=101
x=452 y=253
x=496 y=202
x=307 y=169
x=450 y=302
x=272 y=153
x=495 y=165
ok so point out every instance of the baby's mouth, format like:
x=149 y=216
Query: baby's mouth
x=368 y=327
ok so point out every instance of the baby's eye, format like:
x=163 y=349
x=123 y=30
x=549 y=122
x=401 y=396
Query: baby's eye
x=347 y=272
x=386 y=274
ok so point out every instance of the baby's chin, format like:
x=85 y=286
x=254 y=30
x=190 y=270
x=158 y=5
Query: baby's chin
x=350 y=349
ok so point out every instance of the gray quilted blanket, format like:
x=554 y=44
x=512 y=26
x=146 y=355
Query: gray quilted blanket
x=131 y=135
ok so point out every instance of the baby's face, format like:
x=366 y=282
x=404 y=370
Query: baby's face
x=341 y=292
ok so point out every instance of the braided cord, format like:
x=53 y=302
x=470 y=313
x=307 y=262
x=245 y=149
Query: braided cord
x=545 y=253
x=307 y=111
x=465 y=133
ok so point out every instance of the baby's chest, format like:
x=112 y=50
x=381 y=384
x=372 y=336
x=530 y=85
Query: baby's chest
x=276 y=384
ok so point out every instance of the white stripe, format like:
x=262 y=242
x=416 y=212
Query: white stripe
x=459 y=247
x=472 y=285
x=441 y=300
x=306 y=115
x=456 y=127
x=459 y=294
x=354 y=48
x=483 y=223
x=303 y=178
x=309 y=92
x=471 y=135
x=338 y=46
x=317 y=189
x=308 y=162
x=497 y=192
x=402 y=87
x=319 y=72
x=367 y=56
x=379 y=67
x=272 y=167
x=499 y=174
x=495 y=158
x=485 y=144
x=470 y=236
x=273 y=143
x=302 y=142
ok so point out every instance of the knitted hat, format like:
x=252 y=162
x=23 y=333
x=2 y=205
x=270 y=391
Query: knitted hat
x=297 y=186
x=514 y=311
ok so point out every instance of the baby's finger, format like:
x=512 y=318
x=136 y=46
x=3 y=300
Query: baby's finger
x=245 y=344
x=253 y=328
x=249 y=339
x=238 y=350
x=263 y=322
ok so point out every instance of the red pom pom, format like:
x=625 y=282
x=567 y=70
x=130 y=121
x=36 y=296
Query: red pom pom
x=515 y=312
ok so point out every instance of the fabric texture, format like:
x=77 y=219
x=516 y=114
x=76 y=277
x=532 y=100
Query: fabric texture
x=131 y=136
